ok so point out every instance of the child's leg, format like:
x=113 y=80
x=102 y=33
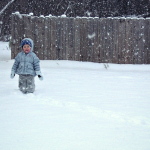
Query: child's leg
x=26 y=83
x=30 y=84
x=22 y=83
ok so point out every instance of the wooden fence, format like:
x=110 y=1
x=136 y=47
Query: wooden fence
x=103 y=40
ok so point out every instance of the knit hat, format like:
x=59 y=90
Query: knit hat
x=26 y=41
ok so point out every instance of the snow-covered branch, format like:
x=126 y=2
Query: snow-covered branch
x=59 y=4
x=6 y=6
x=69 y=6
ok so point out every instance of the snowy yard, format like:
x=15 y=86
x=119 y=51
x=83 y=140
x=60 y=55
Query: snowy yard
x=78 y=106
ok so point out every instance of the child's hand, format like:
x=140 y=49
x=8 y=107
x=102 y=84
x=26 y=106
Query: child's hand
x=12 y=75
x=39 y=74
x=40 y=77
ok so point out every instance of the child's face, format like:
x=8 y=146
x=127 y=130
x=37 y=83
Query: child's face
x=26 y=48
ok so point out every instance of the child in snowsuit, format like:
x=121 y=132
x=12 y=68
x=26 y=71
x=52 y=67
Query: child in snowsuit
x=27 y=66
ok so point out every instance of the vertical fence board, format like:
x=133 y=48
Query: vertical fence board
x=112 y=41
x=73 y=40
x=115 y=40
x=132 y=40
x=32 y=28
x=37 y=38
x=41 y=31
x=13 y=36
x=46 y=41
x=102 y=37
x=138 y=40
x=20 y=32
x=128 y=41
x=27 y=26
x=77 y=38
x=16 y=36
x=35 y=33
x=70 y=38
x=121 y=41
x=83 y=39
x=90 y=36
x=18 y=20
x=99 y=42
x=49 y=39
x=66 y=40
x=142 y=54
x=135 y=34
x=105 y=27
x=96 y=40
x=58 y=39
x=146 y=41
x=148 y=49
x=53 y=38
x=123 y=37
x=109 y=40
x=106 y=39
x=64 y=21
x=61 y=39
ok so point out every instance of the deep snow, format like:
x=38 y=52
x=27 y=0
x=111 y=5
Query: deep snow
x=78 y=106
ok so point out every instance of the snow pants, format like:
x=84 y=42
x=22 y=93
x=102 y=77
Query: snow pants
x=26 y=83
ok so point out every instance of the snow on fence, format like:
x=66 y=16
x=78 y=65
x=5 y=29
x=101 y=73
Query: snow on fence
x=103 y=40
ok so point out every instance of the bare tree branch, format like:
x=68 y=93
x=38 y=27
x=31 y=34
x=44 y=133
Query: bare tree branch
x=6 y=6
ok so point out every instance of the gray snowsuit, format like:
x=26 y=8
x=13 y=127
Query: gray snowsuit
x=26 y=83
x=27 y=66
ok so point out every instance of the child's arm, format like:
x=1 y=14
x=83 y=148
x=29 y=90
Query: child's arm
x=37 y=67
x=36 y=64
x=14 y=67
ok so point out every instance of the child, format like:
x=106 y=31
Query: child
x=27 y=66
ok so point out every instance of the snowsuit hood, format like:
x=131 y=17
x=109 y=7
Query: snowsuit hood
x=29 y=42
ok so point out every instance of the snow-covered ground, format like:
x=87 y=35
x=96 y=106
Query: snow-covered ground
x=78 y=106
